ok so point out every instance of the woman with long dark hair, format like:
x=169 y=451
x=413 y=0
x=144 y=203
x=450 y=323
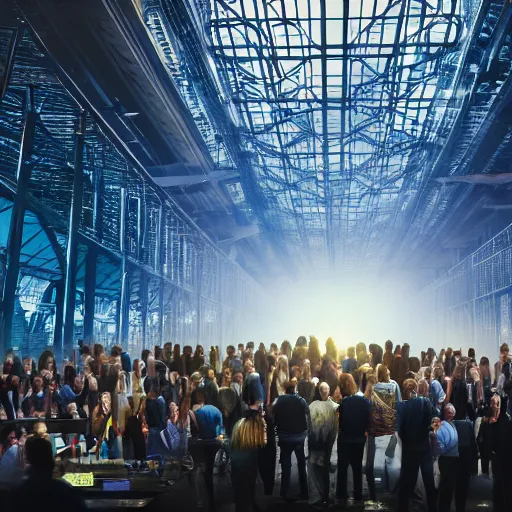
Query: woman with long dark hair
x=457 y=393
x=198 y=359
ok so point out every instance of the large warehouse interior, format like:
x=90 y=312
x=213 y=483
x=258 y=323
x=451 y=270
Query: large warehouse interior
x=215 y=172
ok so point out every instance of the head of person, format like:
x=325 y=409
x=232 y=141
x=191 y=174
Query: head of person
x=351 y=352
x=301 y=341
x=363 y=358
x=484 y=366
x=167 y=349
x=199 y=352
x=37 y=384
x=448 y=412
x=414 y=364
x=405 y=351
x=361 y=347
x=398 y=351
x=348 y=386
x=427 y=374
x=388 y=346
x=46 y=362
x=40 y=429
x=423 y=388
x=459 y=371
x=273 y=349
x=439 y=372
x=376 y=353
x=78 y=384
x=504 y=352
x=39 y=455
x=238 y=378
x=382 y=373
x=241 y=347
x=69 y=375
x=98 y=350
x=200 y=398
x=249 y=367
x=324 y=391
x=116 y=351
x=286 y=348
x=410 y=389
x=230 y=351
x=174 y=412
x=253 y=393
x=27 y=365
x=289 y=387
x=176 y=351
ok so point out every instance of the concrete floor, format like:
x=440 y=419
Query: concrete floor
x=182 y=497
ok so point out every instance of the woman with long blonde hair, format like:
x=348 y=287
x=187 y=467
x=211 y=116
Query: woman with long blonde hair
x=249 y=437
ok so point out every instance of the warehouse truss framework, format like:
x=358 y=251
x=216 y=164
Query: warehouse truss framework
x=337 y=107
x=472 y=302
x=90 y=247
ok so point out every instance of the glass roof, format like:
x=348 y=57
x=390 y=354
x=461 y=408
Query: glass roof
x=334 y=98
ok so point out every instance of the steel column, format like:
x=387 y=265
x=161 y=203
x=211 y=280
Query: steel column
x=124 y=296
x=59 y=317
x=15 y=237
x=89 y=293
x=159 y=269
x=144 y=300
x=199 y=301
x=72 y=249
x=92 y=255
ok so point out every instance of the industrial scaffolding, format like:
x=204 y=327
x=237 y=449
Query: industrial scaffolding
x=471 y=304
x=90 y=247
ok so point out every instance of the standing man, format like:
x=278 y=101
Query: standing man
x=498 y=366
x=324 y=426
x=207 y=431
x=415 y=415
x=292 y=420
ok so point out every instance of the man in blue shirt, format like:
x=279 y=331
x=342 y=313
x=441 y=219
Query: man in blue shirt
x=207 y=431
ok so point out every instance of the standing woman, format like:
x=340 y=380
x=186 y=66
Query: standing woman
x=485 y=375
x=385 y=397
x=354 y=418
x=198 y=359
x=281 y=375
x=449 y=362
x=286 y=349
x=248 y=438
x=305 y=387
x=457 y=393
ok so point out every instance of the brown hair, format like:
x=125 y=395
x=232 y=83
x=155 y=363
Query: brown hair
x=414 y=364
x=382 y=373
x=348 y=385
x=410 y=386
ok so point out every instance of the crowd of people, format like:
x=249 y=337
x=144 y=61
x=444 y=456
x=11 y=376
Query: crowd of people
x=443 y=410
